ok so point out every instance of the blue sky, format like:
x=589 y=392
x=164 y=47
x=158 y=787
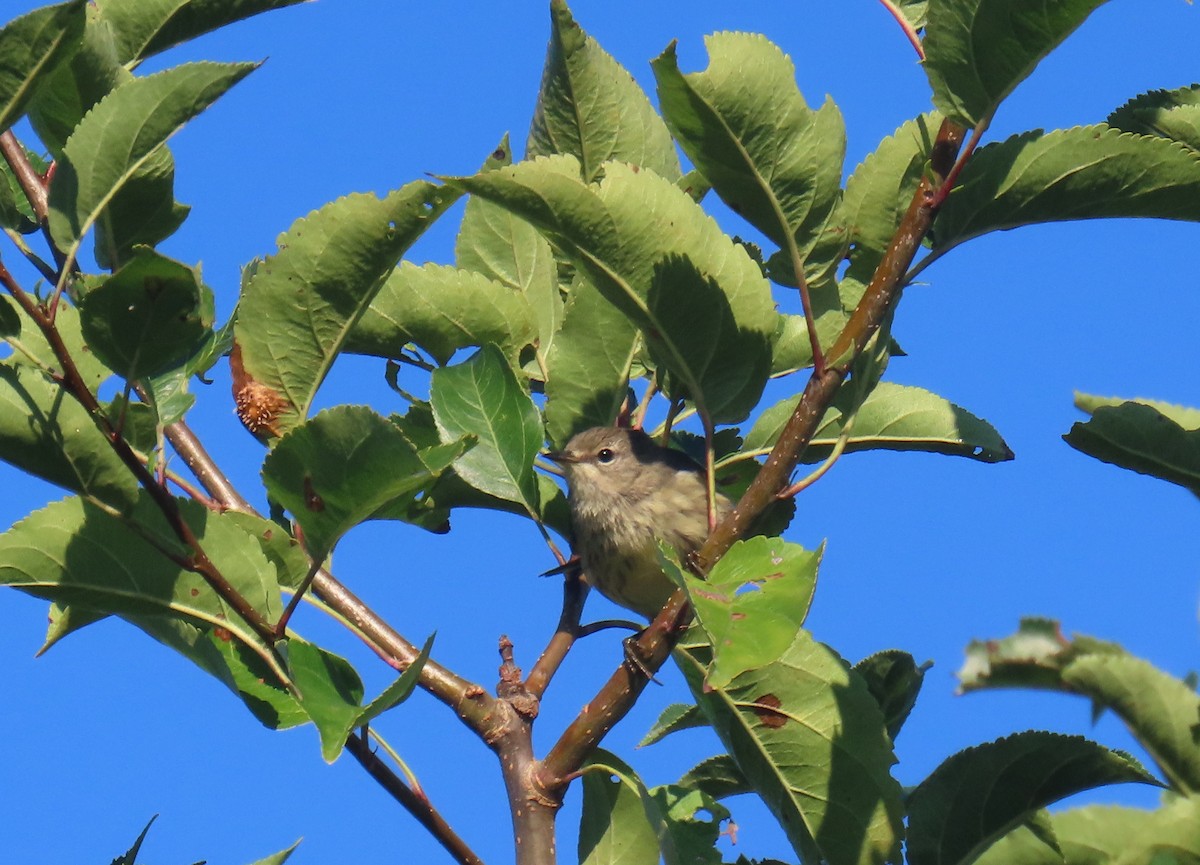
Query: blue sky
x=924 y=552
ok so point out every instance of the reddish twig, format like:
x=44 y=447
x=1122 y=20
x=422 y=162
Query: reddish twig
x=943 y=190
x=914 y=38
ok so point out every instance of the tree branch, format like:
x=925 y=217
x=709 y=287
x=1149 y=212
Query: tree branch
x=476 y=708
x=503 y=727
x=30 y=181
x=617 y=696
x=73 y=383
x=532 y=813
x=574 y=594
x=415 y=803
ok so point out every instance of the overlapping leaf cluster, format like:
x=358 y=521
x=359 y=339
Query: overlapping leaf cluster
x=587 y=278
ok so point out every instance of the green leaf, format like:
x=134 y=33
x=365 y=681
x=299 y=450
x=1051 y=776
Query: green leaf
x=1032 y=842
x=646 y=246
x=10 y=320
x=143 y=212
x=623 y=822
x=47 y=433
x=331 y=693
x=676 y=717
x=280 y=548
x=709 y=358
x=589 y=365
x=64 y=620
x=400 y=690
x=77 y=83
x=121 y=134
x=979 y=794
x=1160 y=710
x=1103 y=834
x=744 y=124
x=1173 y=114
x=442 y=309
x=481 y=397
x=1087 y=172
x=15 y=211
x=591 y=108
x=810 y=739
x=894 y=679
x=73 y=552
x=1033 y=657
x=613 y=826
x=30 y=47
x=1155 y=439
x=978 y=51
x=34 y=351
x=280 y=857
x=451 y=491
x=880 y=190
x=1185 y=416
x=718 y=777
x=791 y=348
x=752 y=603
x=345 y=466
x=169 y=391
x=233 y=664
x=893 y=417
x=688 y=822
x=494 y=243
x=146 y=27
x=299 y=306
x=148 y=317
x=915 y=11
x=130 y=856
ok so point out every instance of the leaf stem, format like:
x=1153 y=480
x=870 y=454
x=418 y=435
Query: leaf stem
x=810 y=318
x=964 y=155
x=297 y=596
x=914 y=38
x=839 y=448
x=33 y=258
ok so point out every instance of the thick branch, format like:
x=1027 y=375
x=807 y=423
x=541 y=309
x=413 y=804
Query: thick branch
x=654 y=645
x=652 y=648
x=532 y=813
x=416 y=804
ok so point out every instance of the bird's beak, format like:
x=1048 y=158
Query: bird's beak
x=561 y=457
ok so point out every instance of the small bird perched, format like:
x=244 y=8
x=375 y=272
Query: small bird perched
x=625 y=492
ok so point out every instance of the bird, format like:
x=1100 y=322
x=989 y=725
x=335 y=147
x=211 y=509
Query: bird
x=626 y=493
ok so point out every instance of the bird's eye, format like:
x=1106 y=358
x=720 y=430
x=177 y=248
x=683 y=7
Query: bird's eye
x=605 y=456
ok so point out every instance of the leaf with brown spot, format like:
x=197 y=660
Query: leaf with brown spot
x=767 y=708
x=826 y=780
